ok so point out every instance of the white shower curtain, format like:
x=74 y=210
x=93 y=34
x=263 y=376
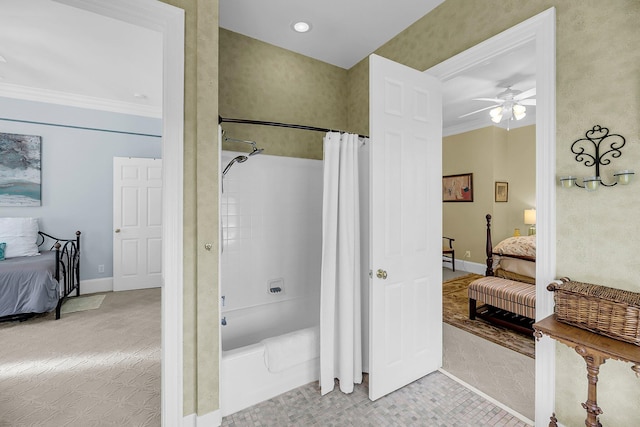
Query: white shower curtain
x=340 y=325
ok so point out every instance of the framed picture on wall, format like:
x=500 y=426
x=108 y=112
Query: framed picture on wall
x=502 y=191
x=457 y=188
x=20 y=170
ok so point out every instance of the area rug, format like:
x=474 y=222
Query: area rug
x=89 y=302
x=455 y=312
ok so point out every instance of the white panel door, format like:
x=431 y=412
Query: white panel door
x=406 y=226
x=137 y=223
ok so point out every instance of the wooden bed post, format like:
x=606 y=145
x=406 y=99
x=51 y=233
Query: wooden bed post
x=489 y=249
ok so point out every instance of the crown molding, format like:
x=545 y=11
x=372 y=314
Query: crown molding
x=466 y=126
x=27 y=93
x=481 y=123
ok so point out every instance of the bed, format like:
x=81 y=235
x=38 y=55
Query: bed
x=508 y=289
x=37 y=270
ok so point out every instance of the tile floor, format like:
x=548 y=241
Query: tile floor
x=434 y=401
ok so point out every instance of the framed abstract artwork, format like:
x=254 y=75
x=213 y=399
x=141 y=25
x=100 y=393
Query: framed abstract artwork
x=20 y=170
x=457 y=188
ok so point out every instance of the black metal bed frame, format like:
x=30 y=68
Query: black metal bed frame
x=67 y=264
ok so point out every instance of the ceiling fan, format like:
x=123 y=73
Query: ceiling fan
x=509 y=105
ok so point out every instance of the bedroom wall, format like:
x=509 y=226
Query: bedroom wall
x=597 y=65
x=521 y=173
x=77 y=171
x=469 y=152
x=491 y=154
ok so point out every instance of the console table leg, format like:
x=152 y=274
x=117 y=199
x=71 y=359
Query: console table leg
x=554 y=421
x=593 y=368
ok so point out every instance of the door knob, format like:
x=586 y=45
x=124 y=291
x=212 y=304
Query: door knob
x=381 y=274
x=117 y=230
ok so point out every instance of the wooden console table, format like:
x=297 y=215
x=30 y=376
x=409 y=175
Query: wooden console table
x=595 y=350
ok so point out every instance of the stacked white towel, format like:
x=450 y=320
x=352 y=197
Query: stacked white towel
x=284 y=351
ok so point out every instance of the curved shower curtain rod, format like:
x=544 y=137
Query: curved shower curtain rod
x=282 y=125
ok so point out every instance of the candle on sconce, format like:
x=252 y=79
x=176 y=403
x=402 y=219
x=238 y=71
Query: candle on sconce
x=624 y=176
x=591 y=183
x=567 y=181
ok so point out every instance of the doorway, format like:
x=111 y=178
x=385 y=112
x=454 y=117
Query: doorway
x=541 y=30
x=168 y=20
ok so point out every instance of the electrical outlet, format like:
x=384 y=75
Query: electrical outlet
x=101 y=268
x=467 y=254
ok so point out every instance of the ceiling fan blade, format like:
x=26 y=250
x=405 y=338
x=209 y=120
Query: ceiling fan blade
x=526 y=94
x=477 y=111
x=527 y=102
x=489 y=99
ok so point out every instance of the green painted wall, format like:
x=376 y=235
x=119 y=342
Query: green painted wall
x=598 y=64
x=259 y=81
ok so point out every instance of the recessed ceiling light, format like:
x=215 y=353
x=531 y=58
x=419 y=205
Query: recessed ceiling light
x=301 y=26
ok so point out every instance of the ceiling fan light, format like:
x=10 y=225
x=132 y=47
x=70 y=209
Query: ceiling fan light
x=496 y=112
x=496 y=119
x=519 y=116
x=519 y=111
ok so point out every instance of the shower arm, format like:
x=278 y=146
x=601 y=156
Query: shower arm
x=252 y=143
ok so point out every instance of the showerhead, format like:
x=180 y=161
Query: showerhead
x=238 y=159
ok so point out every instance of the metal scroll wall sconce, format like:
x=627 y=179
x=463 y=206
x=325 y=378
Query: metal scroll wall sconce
x=606 y=146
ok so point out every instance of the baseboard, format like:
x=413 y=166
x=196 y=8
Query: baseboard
x=489 y=398
x=96 y=285
x=212 y=419
x=471 y=267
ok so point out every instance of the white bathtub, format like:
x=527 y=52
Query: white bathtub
x=244 y=377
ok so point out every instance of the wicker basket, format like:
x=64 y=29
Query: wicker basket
x=606 y=311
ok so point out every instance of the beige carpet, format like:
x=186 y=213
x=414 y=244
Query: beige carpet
x=505 y=375
x=98 y=367
x=455 y=311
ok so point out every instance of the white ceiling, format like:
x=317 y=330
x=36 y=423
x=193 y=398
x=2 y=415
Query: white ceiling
x=515 y=69
x=65 y=55
x=342 y=31
x=58 y=53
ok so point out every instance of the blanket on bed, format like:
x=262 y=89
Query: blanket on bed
x=27 y=284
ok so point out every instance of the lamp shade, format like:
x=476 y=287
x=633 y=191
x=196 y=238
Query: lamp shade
x=530 y=216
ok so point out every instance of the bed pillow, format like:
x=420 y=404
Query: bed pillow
x=2 y=246
x=517 y=245
x=20 y=236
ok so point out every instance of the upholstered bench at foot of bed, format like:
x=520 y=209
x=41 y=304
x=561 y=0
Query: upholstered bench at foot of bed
x=510 y=295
